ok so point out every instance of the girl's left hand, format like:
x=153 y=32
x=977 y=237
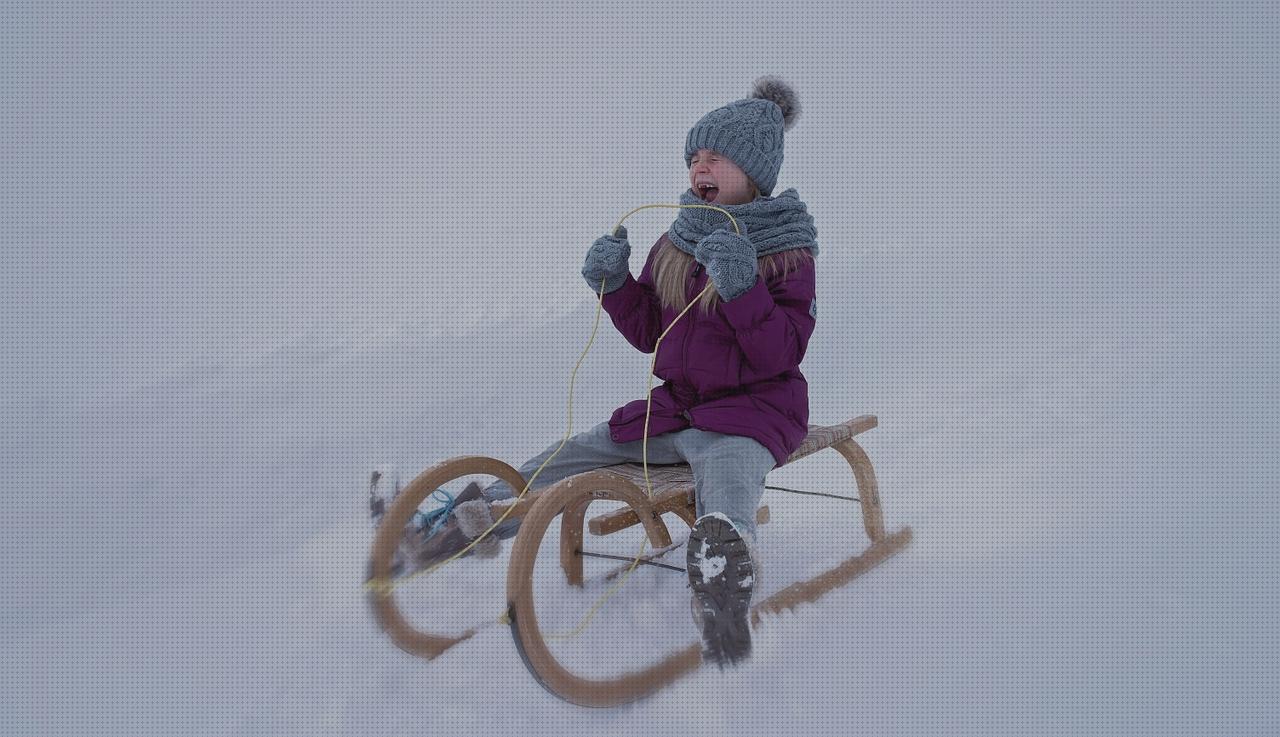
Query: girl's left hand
x=730 y=260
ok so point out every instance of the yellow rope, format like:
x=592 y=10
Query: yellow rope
x=385 y=586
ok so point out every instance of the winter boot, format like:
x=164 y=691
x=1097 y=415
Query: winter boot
x=722 y=574
x=470 y=516
x=695 y=607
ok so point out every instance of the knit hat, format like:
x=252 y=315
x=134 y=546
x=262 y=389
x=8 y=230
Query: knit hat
x=749 y=131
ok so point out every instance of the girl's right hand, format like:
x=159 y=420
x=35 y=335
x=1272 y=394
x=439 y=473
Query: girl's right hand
x=608 y=260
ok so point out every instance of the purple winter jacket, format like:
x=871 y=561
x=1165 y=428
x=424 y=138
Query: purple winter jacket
x=735 y=371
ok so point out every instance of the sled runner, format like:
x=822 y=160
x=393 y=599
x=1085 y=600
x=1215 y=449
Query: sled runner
x=568 y=499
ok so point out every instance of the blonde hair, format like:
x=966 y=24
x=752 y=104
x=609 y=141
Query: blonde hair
x=673 y=267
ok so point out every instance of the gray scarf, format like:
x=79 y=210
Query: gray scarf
x=772 y=224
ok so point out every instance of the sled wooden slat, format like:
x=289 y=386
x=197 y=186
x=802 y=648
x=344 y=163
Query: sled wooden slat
x=673 y=486
x=820 y=436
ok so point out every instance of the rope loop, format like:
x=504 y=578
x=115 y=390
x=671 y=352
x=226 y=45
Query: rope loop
x=438 y=516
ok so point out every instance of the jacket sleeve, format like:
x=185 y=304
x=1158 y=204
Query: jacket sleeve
x=773 y=322
x=634 y=307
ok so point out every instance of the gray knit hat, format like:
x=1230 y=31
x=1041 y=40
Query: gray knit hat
x=749 y=131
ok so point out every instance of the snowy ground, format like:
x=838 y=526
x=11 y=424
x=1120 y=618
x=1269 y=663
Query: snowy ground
x=1088 y=559
x=233 y=287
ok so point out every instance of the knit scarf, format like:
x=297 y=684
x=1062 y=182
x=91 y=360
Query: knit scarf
x=772 y=224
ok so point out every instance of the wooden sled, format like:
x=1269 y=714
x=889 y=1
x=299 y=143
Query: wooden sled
x=673 y=490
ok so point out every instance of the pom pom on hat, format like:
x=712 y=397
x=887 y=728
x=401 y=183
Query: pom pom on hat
x=774 y=90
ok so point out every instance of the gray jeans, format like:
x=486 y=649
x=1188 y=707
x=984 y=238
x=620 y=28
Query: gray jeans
x=728 y=470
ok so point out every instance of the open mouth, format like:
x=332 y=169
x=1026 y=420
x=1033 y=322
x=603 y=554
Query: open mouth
x=707 y=192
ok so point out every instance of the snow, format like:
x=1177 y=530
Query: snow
x=254 y=253
x=710 y=567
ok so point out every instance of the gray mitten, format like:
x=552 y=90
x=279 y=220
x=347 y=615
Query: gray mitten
x=730 y=260
x=473 y=519
x=607 y=259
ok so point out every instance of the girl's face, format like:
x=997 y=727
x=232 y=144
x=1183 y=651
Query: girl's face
x=714 y=178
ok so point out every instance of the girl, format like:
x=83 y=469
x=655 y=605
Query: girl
x=734 y=404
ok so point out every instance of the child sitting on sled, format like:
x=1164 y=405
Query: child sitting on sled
x=734 y=404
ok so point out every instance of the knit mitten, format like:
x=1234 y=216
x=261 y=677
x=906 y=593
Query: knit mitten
x=607 y=260
x=730 y=260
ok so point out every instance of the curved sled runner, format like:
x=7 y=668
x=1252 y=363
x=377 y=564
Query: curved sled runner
x=673 y=492
x=387 y=539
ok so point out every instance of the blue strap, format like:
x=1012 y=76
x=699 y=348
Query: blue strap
x=436 y=517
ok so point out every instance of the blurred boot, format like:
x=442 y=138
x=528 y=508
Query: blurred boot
x=723 y=574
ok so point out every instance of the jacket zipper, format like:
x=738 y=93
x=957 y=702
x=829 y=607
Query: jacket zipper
x=697 y=269
x=684 y=346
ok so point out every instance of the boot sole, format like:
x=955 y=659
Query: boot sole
x=722 y=578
